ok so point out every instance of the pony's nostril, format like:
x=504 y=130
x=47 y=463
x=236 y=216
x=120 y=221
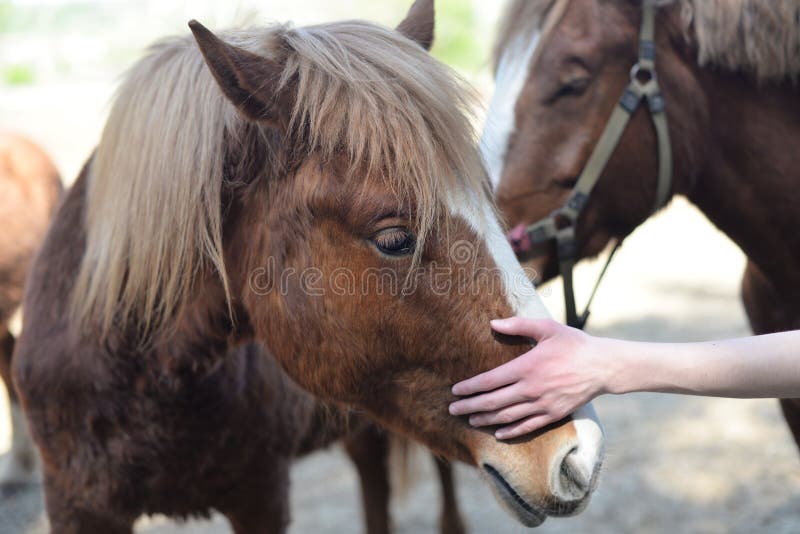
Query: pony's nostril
x=572 y=476
x=571 y=482
x=573 y=473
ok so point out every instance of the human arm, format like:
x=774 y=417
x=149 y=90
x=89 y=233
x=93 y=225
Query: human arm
x=568 y=368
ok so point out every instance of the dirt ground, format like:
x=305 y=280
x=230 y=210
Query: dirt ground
x=674 y=464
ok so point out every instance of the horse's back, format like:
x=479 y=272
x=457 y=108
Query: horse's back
x=29 y=191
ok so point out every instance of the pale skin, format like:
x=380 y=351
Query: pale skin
x=568 y=368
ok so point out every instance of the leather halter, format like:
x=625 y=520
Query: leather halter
x=560 y=225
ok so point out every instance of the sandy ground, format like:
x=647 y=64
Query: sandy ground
x=675 y=464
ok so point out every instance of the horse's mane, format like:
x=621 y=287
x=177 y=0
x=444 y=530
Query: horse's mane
x=153 y=213
x=757 y=37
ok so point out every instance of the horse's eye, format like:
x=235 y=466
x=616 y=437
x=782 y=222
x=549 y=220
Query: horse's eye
x=573 y=87
x=394 y=241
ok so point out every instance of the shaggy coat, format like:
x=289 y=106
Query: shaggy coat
x=235 y=178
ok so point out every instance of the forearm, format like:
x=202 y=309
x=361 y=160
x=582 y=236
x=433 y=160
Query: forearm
x=761 y=366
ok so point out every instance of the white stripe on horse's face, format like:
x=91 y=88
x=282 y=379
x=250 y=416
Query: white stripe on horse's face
x=519 y=291
x=512 y=73
x=521 y=296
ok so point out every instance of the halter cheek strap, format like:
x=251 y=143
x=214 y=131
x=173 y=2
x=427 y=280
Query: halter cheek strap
x=560 y=225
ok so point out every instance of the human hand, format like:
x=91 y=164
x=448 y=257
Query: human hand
x=564 y=371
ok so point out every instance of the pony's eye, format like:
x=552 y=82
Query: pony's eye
x=394 y=241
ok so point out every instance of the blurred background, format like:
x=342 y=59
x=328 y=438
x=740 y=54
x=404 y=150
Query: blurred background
x=675 y=464
x=60 y=59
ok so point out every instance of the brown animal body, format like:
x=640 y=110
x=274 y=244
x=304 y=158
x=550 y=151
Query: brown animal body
x=29 y=191
x=728 y=75
x=222 y=215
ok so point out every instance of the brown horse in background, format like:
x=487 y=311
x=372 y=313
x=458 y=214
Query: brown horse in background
x=239 y=183
x=29 y=191
x=728 y=75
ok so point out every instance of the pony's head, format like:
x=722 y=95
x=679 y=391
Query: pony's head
x=322 y=186
x=562 y=66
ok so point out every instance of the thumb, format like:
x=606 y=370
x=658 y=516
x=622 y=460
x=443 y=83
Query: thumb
x=521 y=326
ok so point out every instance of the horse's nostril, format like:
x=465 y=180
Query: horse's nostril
x=571 y=482
x=572 y=476
x=518 y=237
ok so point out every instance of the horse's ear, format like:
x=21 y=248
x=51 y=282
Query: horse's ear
x=248 y=80
x=418 y=24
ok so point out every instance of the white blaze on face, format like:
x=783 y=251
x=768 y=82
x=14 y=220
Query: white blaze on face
x=512 y=73
x=524 y=301
x=519 y=289
x=517 y=285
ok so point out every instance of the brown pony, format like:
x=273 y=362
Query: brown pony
x=308 y=198
x=728 y=76
x=29 y=190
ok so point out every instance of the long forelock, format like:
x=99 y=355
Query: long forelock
x=397 y=114
x=153 y=215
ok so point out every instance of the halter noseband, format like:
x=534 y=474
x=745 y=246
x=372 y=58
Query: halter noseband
x=560 y=225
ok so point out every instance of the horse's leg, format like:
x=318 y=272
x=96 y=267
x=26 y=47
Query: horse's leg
x=766 y=314
x=368 y=448
x=262 y=507
x=82 y=522
x=20 y=466
x=450 y=522
x=765 y=308
x=67 y=518
x=791 y=412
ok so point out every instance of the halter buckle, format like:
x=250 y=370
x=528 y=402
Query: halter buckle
x=562 y=220
x=642 y=74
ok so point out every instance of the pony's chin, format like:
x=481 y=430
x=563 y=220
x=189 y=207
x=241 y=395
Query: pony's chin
x=522 y=510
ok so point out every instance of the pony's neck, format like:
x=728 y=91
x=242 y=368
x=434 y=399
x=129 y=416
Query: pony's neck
x=208 y=326
x=202 y=335
x=751 y=173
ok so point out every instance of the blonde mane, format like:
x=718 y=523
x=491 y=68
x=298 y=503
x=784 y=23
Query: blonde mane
x=153 y=213
x=758 y=37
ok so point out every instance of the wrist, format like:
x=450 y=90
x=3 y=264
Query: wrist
x=618 y=368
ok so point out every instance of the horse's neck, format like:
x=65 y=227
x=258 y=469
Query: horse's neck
x=750 y=186
x=202 y=335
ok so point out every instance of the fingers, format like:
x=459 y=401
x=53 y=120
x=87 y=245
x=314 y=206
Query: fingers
x=507 y=415
x=525 y=426
x=520 y=326
x=508 y=373
x=487 y=402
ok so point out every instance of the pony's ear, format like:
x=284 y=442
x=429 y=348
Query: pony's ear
x=418 y=24
x=248 y=80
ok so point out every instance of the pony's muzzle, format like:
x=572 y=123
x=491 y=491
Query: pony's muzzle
x=551 y=473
